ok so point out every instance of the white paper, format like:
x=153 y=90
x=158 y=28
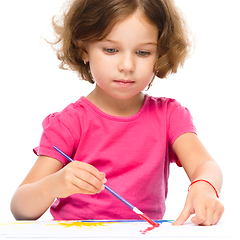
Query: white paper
x=113 y=230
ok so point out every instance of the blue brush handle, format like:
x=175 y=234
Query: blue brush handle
x=65 y=155
x=119 y=197
x=106 y=187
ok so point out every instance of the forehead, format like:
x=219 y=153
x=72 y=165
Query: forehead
x=134 y=28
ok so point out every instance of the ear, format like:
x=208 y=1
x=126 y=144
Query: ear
x=83 y=46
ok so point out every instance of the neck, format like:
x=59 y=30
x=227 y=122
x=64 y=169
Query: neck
x=116 y=107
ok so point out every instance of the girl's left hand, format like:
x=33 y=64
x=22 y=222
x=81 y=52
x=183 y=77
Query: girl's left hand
x=202 y=201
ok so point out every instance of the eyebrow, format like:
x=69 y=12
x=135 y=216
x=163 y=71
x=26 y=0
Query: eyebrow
x=148 y=43
x=140 y=44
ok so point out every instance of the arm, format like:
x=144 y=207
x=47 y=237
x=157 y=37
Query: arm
x=47 y=180
x=201 y=198
x=33 y=197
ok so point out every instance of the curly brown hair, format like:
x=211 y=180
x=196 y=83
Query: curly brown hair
x=93 y=20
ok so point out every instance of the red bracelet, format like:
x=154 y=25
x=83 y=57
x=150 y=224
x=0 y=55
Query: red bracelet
x=201 y=180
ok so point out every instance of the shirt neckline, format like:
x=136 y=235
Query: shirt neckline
x=117 y=118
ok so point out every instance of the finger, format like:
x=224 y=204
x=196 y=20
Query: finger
x=214 y=213
x=91 y=169
x=215 y=218
x=87 y=181
x=201 y=215
x=218 y=215
x=183 y=217
x=90 y=174
x=76 y=189
x=209 y=219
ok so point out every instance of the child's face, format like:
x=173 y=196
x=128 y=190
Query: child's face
x=122 y=63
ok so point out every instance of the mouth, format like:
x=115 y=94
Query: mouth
x=124 y=82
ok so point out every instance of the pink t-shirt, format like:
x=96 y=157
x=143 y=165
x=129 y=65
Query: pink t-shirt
x=134 y=152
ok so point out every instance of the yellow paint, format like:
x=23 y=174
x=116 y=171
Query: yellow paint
x=80 y=224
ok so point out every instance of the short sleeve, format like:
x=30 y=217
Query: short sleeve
x=57 y=132
x=180 y=121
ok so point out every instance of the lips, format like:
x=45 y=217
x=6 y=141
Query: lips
x=123 y=81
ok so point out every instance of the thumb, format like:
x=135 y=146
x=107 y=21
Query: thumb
x=183 y=217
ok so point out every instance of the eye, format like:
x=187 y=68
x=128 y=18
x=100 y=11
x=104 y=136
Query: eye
x=143 y=53
x=110 y=50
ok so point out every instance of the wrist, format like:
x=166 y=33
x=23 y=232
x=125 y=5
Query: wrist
x=203 y=181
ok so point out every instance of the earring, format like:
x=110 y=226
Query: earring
x=84 y=61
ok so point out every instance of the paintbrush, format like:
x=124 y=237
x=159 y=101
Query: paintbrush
x=136 y=210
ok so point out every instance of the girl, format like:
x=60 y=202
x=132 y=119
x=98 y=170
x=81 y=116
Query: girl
x=116 y=133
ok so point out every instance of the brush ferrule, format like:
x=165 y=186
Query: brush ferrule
x=137 y=211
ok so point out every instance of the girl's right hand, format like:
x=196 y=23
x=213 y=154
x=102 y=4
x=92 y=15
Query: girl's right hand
x=77 y=177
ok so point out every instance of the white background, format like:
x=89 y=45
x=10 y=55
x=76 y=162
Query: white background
x=32 y=86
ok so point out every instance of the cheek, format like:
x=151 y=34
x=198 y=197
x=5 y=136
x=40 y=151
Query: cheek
x=145 y=71
x=97 y=70
x=100 y=69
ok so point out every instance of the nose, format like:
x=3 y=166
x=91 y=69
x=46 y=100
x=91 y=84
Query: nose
x=126 y=63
